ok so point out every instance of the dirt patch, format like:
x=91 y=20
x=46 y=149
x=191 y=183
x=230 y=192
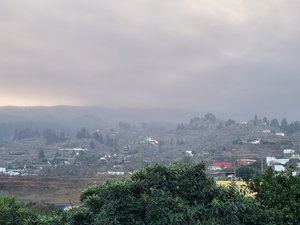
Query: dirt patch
x=51 y=190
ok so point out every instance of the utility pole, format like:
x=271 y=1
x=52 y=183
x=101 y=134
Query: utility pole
x=234 y=166
x=262 y=164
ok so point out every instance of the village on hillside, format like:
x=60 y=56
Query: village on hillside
x=224 y=146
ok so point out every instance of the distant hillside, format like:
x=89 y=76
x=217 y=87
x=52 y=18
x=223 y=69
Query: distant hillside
x=71 y=118
x=63 y=113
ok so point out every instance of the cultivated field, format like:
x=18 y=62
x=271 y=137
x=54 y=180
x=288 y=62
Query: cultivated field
x=241 y=185
x=53 y=190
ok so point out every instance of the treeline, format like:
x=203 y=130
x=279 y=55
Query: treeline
x=283 y=125
x=110 y=139
x=8 y=128
x=48 y=134
x=26 y=133
x=177 y=194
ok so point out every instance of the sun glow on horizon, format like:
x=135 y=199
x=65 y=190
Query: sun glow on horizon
x=27 y=102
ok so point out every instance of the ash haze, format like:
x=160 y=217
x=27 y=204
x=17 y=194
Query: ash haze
x=232 y=57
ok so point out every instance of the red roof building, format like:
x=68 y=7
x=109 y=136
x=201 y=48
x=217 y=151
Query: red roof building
x=246 y=162
x=222 y=164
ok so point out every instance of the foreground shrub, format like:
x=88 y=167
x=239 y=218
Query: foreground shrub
x=177 y=194
x=14 y=213
x=279 y=192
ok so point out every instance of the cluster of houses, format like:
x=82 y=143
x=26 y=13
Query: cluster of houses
x=221 y=166
x=151 y=141
x=258 y=140
x=291 y=159
x=107 y=157
x=9 y=172
x=267 y=131
x=67 y=156
x=64 y=156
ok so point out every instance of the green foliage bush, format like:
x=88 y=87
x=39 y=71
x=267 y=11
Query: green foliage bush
x=279 y=192
x=246 y=172
x=177 y=194
x=14 y=213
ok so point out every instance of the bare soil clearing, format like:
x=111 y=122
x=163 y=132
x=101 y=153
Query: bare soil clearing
x=53 y=190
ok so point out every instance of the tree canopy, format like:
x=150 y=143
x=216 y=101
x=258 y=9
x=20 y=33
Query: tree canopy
x=176 y=194
x=246 y=172
x=279 y=192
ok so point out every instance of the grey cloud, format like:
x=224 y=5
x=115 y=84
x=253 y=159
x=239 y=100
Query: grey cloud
x=234 y=57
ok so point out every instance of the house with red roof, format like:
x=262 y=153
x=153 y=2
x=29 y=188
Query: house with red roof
x=223 y=165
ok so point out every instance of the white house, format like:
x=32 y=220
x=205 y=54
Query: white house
x=151 y=141
x=279 y=168
x=2 y=170
x=295 y=156
x=189 y=153
x=272 y=161
x=13 y=173
x=118 y=173
x=256 y=142
x=73 y=149
x=266 y=131
x=281 y=161
x=280 y=134
x=102 y=159
x=80 y=149
x=269 y=159
x=288 y=151
x=214 y=168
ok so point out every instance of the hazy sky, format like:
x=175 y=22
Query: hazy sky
x=208 y=55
